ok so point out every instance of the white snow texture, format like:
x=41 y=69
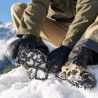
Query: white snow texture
x=16 y=83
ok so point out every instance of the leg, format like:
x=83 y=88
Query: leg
x=90 y=39
x=79 y=58
x=87 y=47
x=52 y=31
x=16 y=13
x=85 y=15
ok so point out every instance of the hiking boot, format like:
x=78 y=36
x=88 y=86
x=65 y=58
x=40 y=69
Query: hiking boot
x=29 y=52
x=75 y=70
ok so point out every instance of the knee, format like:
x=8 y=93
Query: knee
x=17 y=6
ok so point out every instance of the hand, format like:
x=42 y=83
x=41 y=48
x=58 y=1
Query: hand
x=57 y=58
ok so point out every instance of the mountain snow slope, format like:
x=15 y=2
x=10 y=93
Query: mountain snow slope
x=16 y=83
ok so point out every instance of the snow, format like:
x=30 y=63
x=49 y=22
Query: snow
x=16 y=83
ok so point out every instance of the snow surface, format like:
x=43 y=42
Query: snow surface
x=16 y=83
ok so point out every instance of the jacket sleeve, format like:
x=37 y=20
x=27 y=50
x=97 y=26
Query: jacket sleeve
x=86 y=12
x=33 y=17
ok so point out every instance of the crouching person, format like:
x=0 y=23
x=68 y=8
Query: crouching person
x=68 y=22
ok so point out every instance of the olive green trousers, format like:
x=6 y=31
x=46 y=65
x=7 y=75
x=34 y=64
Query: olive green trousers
x=51 y=31
x=55 y=32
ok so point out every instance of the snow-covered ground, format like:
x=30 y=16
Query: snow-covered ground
x=16 y=83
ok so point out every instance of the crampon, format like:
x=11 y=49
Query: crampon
x=34 y=62
x=77 y=76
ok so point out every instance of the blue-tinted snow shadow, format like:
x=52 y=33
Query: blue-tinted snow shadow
x=4 y=63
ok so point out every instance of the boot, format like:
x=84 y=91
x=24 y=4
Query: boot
x=75 y=70
x=29 y=52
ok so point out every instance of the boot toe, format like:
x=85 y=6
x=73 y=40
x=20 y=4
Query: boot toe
x=88 y=80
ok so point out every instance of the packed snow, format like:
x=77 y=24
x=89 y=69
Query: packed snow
x=16 y=83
